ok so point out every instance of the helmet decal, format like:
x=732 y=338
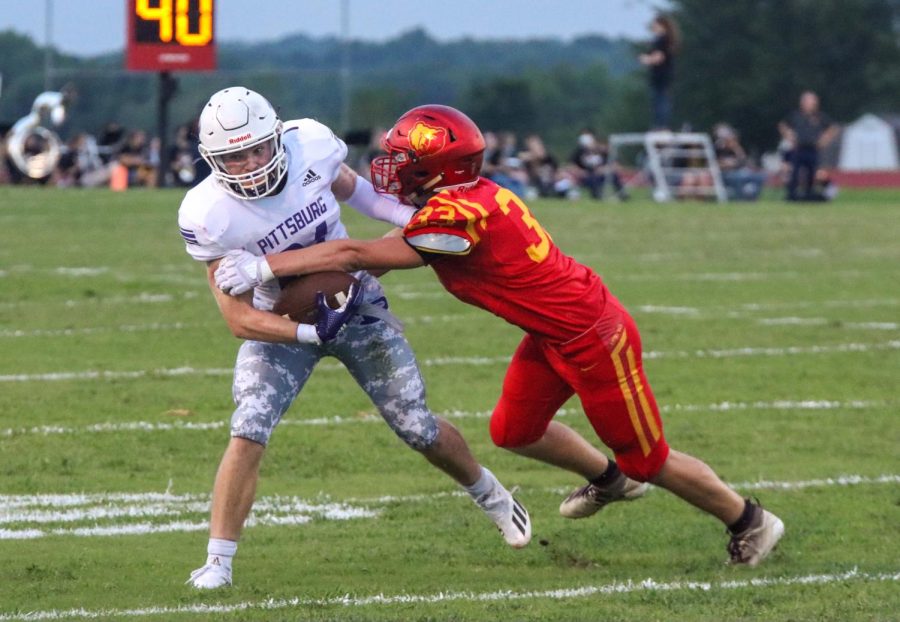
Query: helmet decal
x=429 y=148
x=240 y=139
x=426 y=139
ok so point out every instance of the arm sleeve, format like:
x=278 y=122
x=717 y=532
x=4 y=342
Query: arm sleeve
x=385 y=207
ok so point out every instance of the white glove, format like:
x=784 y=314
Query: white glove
x=240 y=271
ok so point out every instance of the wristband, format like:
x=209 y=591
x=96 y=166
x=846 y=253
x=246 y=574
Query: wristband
x=306 y=333
x=265 y=270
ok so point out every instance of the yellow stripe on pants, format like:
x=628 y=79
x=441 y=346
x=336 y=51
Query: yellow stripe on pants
x=626 y=393
x=645 y=405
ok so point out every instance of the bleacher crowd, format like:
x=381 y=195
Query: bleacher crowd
x=122 y=158
x=116 y=157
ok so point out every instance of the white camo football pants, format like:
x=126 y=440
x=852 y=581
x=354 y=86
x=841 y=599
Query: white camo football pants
x=269 y=376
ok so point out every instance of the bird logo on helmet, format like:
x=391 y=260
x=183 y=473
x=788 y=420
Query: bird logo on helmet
x=426 y=140
x=430 y=148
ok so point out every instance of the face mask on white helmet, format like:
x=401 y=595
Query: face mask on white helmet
x=236 y=126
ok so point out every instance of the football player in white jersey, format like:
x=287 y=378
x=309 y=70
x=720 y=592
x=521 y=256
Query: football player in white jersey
x=275 y=186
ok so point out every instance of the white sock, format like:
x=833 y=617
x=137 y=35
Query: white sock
x=485 y=484
x=219 y=552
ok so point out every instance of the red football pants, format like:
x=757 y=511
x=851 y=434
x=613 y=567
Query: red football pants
x=603 y=367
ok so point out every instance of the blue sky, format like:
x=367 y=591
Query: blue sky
x=86 y=27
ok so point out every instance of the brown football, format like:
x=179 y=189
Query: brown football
x=298 y=297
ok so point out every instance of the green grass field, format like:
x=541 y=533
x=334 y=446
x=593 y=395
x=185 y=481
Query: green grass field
x=772 y=337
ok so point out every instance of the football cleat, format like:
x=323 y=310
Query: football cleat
x=508 y=514
x=754 y=544
x=590 y=499
x=211 y=576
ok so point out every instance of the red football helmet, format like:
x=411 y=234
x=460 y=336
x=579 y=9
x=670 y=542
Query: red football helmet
x=429 y=148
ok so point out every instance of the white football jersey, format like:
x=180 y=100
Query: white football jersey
x=304 y=213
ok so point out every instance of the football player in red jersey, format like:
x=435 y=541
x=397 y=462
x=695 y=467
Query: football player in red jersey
x=488 y=250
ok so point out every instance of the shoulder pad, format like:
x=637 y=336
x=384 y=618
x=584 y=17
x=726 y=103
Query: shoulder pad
x=310 y=129
x=445 y=243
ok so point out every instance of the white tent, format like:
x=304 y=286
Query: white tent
x=868 y=144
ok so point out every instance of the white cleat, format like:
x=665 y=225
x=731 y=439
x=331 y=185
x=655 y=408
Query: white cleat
x=590 y=499
x=211 y=576
x=509 y=515
x=754 y=544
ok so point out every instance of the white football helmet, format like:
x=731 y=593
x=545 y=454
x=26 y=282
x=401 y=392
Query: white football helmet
x=236 y=119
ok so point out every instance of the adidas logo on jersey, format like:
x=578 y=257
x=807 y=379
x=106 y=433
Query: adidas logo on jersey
x=310 y=177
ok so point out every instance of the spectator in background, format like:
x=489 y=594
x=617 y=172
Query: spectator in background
x=137 y=157
x=541 y=166
x=805 y=132
x=201 y=167
x=742 y=182
x=506 y=167
x=186 y=167
x=491 y=145
x=110 y=141
x=68 y=172
x=591 y=165
x=660 y=61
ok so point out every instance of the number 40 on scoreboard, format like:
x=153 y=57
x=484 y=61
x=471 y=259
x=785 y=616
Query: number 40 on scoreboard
x=170 y=35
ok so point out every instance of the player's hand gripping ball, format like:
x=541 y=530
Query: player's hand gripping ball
x=298 y=297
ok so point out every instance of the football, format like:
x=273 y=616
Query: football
x=298 y=297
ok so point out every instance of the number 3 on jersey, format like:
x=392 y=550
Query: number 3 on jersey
x=539 y=250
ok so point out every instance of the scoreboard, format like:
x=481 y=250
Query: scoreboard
x=170 y=35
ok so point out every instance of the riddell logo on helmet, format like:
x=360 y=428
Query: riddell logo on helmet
x=425 y=139
x=239 y=139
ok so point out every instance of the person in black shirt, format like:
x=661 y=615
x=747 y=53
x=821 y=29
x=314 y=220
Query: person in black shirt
x=661 y=62
x=743 y=182
x=592 y=164
x=806 y=131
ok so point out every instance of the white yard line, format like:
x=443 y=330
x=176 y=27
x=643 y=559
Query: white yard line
x=744 y=311
x=202 y=426
x=108 y=515
x=893 y=344
x=114 y=514
x=727 y=277
x=72 y=332
x=853 y=303
x=826 y=482
x=842 y=480
x=822 y=321
x=158 y=327
x=142 y=299
x=683 y=312
x=630 y=586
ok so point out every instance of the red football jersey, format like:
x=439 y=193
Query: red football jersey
x=489 y=251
